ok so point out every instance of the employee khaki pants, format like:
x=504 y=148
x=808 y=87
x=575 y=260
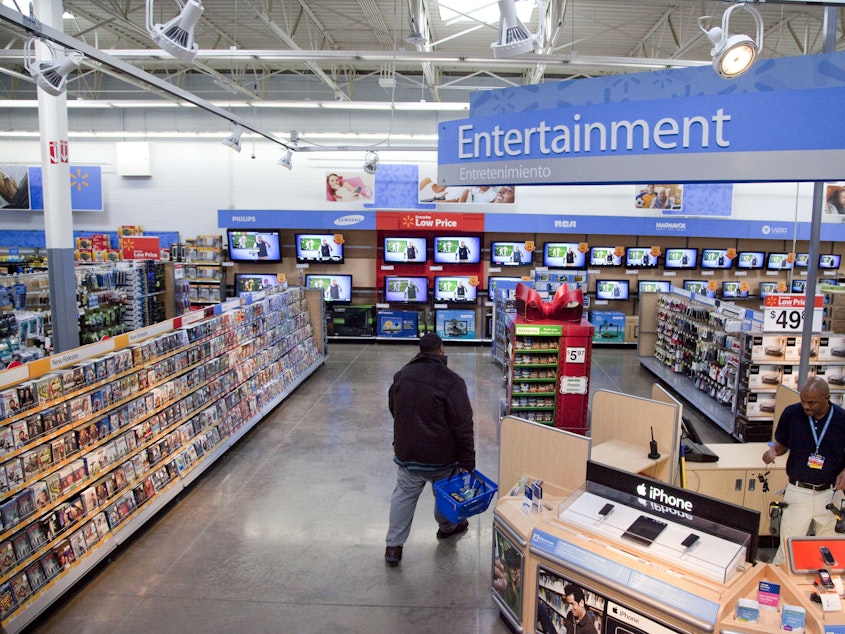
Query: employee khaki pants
x=806 y=505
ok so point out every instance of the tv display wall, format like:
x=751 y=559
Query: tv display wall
x=254 y=245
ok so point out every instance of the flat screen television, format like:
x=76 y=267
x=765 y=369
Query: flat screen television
x=799 y=286
x=640 y=257
x=733 y=290
x=457 y=250
x=715 y=259
x=612 y=289
x=251 y=282
x=778 y=262
x=654 y=286
x=699 y=287
x=337 y=289
x=500 y=281
x=405 y=289
x=254 y=245
x=318 y=248
x=604 y=256
x=768 y=288
x=680 y=259
x=405 y=249
x=802 y=260
x=454 y=289
x=750 y=260
x=563 y=255
x=509 y=254
x=829 y=261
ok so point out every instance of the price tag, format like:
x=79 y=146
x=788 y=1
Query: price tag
x=785 y=313
x=576 y=355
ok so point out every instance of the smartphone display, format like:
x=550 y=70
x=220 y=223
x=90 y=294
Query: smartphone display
x=690 y=540
x=605 y=510
x=827 y=582
x=827 y=556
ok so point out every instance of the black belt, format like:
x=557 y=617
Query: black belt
x=807 y=485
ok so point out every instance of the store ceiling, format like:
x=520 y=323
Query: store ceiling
x=356 y=50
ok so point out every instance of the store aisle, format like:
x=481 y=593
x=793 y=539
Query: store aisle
x=286 y=532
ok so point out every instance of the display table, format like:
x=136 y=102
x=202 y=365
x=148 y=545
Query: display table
x=625 y=455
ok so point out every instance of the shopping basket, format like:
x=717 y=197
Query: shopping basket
x=449 y=501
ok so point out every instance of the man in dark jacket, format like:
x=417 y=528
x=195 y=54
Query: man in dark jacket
x=432 y=436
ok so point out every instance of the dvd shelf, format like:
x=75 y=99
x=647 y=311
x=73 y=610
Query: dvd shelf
x=533 y=372
x=92 y=449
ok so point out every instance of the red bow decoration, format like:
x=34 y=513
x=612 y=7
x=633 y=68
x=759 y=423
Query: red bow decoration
x=566 y=305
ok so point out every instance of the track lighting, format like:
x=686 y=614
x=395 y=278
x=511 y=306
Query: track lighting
x=371 y=162
x=287 y=160
x=177 y=36
x=514 y=37
x=234 y=141
x=51 y=76
x=733 y=54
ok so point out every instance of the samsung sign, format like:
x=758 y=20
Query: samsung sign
x=769 y=136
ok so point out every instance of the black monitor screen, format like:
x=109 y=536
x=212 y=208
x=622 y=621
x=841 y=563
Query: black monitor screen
x=829 y=261
x=732 y=290
x=254 y=245
x=563 y=255
x=715 y=259
x=778 y=262
x=654 y=286
x=699 y=287
x=250 y=282
x=612 y=289
x=604 y=256
x=326 y=248
x=405 y=290
x=494 y=282
x=640 y=257
x=336 y=289
x=768 y=288
x=509 y=254
x=405 y=249
x=454 y=289
x=681 y=258
x=457 y=250
x=751 y=260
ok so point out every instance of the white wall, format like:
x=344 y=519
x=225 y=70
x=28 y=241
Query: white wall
x=192 y=179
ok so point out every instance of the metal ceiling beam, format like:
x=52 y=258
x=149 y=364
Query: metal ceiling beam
x=34 y=27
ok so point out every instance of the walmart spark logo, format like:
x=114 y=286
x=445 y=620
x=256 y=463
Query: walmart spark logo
x=79 y=180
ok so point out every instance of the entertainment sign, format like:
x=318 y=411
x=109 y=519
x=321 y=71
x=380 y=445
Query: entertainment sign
x=696 y=139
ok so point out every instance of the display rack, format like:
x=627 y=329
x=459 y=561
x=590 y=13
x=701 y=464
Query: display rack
x=204 y=270
x=97 y=440
x=532 y=380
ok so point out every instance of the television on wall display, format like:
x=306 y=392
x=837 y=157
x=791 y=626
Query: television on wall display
x=405 y=289
x=254 y=245
x=612 y=289
x=768 y=288
x=681 y=259
x=654 y=286
x=509 y=254
x=778 y=262
x=604 y=256
x=829 y=261
x=715 y=259
x=750 y=260
x=337 y=289
x=405 y=250
x=799 y=286
x=699 y=287
x=802 y=260
x=454 y=289
x=731 y=290
x=251 y=282
x=498 y=281
x=457 y=250
x=318 y=248
x=563 y=255
x=640 y=257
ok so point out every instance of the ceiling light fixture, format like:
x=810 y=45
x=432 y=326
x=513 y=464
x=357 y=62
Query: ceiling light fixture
x=177 y=36
x=287 y=160
x=371 y=161
x=51 y=76
x=733 y=54
x=234 y=141
x=514 y=37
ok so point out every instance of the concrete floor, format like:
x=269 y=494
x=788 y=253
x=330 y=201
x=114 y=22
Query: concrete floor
x=286 y=532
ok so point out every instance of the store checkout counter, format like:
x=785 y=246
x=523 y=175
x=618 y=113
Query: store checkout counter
x=647 y=556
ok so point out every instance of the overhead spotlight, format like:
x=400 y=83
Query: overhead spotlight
x=514 y=37
x=177 y=36
x=733 y=54
x=234 y=141
x=371 y=162
x=51 y=76
x=287 y=160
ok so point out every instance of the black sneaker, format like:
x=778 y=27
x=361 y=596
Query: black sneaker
x=460 y=527
x=393 y=555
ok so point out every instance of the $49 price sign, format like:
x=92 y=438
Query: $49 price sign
x=785 y=313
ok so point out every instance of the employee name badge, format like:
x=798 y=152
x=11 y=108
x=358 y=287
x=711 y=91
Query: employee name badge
x=815 y=461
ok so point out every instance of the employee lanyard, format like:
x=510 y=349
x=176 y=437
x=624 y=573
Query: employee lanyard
x=816 y=437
